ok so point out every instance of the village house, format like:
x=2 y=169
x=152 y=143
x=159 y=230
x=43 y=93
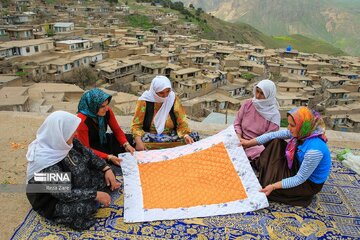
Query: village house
x=211 y=64
x=349 y=75
x=48 y=97
x=222 y=52
x=336 y=96
x=289 y=87
x=14 y=99
x=287 y=53
x=333 y=82
x=119 y=71
x=25 y=47
x=60 y=27
x=214 y=102
x=185 y=74
x=230 y=63
x=258 y=49
x=124 y=103
x=234 y=90
x=22 y=18
x=273 y=68
x=153 y=67
x=345 y=123
x=252 y=67
x=20 y=33
x=10 y=81
x=193 y=88
x=315 y=65
x=303 y=80
x=292 y=67
x=288 y=101
x=257 y=57
x=74 y=45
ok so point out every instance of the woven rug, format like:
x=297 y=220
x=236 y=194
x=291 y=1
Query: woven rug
x=334 y=213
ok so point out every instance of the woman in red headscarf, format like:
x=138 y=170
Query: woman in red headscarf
x=294 y=172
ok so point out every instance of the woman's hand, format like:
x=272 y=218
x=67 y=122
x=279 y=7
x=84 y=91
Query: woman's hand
x=188 y=139
x=111 y=180
x=271 y=187
x=140 y=146
x=267 y=190
x=248 y=143
x=130 y=149
x=114 y=159
x=103 y=198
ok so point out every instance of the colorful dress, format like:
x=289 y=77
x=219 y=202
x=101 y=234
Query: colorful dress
x=170 y=134
x=74 y=209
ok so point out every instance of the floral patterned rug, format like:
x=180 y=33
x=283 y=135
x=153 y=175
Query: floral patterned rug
x=334 y=213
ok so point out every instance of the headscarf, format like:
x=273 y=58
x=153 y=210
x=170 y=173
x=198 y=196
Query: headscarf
x=50 y=145
x=309 y=124
x=90 y=104
x=158 y=84
x=268 y=108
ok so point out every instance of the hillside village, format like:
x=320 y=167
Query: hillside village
x=53 y=51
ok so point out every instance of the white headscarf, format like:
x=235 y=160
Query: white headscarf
x=50 y=145
x=268 y=107
x=158 y=84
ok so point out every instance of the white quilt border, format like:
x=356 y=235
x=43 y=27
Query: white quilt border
x=133 y=204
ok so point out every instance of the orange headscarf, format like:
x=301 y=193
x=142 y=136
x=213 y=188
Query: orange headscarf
x=308 y=124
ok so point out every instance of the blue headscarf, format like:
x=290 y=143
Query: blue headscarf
x=90 y=104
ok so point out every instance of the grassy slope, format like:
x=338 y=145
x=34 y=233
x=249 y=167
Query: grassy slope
x=216 y=29
x=305 y=44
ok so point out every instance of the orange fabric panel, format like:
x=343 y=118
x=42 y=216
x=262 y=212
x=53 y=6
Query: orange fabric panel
x=201 y=178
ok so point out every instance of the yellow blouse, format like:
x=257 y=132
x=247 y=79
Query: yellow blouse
x=182 y=125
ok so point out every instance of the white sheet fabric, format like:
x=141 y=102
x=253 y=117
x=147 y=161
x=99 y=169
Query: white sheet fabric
x=133 y=198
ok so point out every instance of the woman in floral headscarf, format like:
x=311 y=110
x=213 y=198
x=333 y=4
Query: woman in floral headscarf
x=294 y=172
x=96 y=115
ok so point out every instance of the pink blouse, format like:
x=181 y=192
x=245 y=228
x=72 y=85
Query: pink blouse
x=250 y=124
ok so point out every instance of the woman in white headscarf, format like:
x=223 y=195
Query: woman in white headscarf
x=55 y=151
x=258 y=115
x=160 y=119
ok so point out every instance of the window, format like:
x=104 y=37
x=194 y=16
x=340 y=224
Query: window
x=36 y=48
x=66 y=67
x=27 y=49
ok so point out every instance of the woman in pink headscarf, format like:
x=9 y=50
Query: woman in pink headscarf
x=258 y=115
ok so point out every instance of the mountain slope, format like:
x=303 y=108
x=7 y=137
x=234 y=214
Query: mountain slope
x=334 y=21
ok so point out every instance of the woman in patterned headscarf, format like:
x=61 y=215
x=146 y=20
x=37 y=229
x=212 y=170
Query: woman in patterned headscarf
x=294 y=172
x=96 y=115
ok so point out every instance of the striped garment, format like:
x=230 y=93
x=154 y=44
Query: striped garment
x=308 y=164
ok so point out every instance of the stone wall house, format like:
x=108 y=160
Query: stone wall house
x=119 y=71
x=336 y=97
x=14 y=99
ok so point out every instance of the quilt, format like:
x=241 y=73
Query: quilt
x=207 y=178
